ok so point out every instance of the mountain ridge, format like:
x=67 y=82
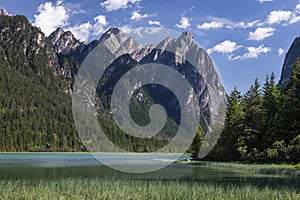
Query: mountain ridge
x=187 y=58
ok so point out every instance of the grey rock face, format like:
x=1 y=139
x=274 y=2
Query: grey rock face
x=188 y=59
x=118 y=42
x=64 y=42
x=289 y=62
x=196 y=66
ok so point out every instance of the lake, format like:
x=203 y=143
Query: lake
x=61 y=165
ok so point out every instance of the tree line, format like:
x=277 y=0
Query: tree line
x=263 y=125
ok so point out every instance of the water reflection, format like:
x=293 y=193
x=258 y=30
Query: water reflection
x=61 y=166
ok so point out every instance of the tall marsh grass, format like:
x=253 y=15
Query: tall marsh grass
x=95 y=188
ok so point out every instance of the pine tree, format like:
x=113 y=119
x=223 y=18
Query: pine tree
x=253 y=119
x=288 y=120
x=197 y=142
x=227 y=148
x=270 y=103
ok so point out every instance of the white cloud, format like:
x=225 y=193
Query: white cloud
x=218 y=23
x=84 y=31
x=184 y=23
x=51 y=16
x=101 y=20
x=81 y=31
x=280 y=52
x=211 y=25
x=157 y=23
x=275 y=17
x=263 y=1
x=126 y=29
x=100 y=23
x=294 y=20
x=284 y=16
x=153 y=30
x=111 y=5
x=252 y=52
x=298 y=7
x=136 y=16
x=278 y=16
x=74 y=9
x=246 y=24
x=261 y=33
x=225 y=47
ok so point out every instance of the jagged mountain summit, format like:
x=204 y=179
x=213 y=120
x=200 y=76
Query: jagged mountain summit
x=4 y=12
x=64 y=42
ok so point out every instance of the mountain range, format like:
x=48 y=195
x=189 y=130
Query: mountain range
x=37 y=75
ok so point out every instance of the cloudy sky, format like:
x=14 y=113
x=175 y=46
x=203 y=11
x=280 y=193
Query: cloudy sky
x=246 y=39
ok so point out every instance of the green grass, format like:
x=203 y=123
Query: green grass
x=297 y=166
x=276 y=169
x=94 y=188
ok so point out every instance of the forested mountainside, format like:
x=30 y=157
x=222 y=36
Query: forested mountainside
x=35 y=102
x=37 y=74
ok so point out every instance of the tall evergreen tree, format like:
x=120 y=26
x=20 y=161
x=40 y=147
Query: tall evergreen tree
x=270 y=103
x=288 y=120
x=197 y=142
x=253 y=118
x=233 y=128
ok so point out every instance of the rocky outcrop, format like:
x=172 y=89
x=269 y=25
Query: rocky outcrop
x=289 y=62
x=4 y=12
x=28 y=50
x=64 y=42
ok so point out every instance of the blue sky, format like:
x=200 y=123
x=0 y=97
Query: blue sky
x=246 y=39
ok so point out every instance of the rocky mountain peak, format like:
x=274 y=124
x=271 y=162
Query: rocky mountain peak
x=56 y=35
x=186 y=40
x=188 y=34
x=118 y=42
x=114 y=30
x=64 y=42
x=111 y=31
x=4 y=12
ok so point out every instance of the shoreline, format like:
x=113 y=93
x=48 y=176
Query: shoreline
x=180 y=162
x=240 y=165
x=91 y=153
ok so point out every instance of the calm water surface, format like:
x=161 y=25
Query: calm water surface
x=54 y=166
